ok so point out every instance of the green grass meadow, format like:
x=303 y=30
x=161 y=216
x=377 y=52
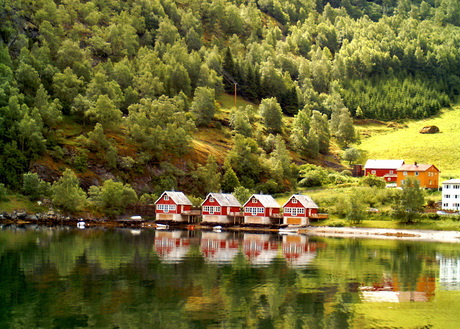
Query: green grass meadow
x=441 y=149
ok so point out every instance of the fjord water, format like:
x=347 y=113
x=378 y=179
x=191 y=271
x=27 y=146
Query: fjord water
x=121 y=278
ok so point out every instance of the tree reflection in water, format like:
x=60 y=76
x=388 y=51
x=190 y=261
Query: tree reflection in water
x=171 y=279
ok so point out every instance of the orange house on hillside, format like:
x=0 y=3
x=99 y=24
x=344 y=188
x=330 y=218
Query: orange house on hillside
x=427 y=174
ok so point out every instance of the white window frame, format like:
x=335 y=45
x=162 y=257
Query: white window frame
x=166 y=198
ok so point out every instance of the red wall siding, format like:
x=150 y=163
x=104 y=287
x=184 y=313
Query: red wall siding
x=381 y=173
x=170 y=201
x=251 y=204
x=290 y=204
x=214 y=204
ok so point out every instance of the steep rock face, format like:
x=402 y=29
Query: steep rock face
x=46 y=173
x=429 y=130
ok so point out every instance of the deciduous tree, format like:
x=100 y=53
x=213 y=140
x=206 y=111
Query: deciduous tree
x=67 y=193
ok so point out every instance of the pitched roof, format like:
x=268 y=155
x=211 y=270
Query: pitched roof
x=383 y=164
x=416 y=167
x=265 y=199
x=304 y=200
x=224 y=199
x=179 y=198
x=451 y=181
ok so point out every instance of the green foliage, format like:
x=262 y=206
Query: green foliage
x=207 y=179
x=354 y=209
x=34 y=187
x=67 y=194
x=147 y=198
x=98 y=60
x=229 y=180
x=196 y=201
x=373 y=180
x=391 y=98
x=242 y=194
x=244 y=159
x=271 y=114
x=351 y=155
x=3 y=192
x=203 y=106
x=80 y=162
x=160 y=126
x=311 y=175
x=320 y=128
x=240 y=122
x=112 y=198
x=408 y=206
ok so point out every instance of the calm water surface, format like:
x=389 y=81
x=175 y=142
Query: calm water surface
x=67 y=278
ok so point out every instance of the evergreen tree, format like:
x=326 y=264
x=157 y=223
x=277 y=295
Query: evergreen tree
x=229 y=180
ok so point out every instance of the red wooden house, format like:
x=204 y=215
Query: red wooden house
x=261 y=209
x=298 y=209
x=220 y=208
x=173 y=206
x=383 y=168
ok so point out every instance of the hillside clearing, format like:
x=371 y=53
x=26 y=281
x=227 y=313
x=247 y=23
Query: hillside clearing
x=407 y=143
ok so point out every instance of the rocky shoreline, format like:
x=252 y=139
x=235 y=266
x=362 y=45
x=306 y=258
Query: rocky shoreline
x=53 y=219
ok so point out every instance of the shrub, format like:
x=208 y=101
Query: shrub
x=113 y=197
x=67 y=193
x=373 y=180
x=34 y=187
x=3 y=192
x=81 y=161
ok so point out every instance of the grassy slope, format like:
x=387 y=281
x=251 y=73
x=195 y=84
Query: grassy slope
x=440 y=149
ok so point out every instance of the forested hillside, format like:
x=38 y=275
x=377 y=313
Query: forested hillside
x=120 y=89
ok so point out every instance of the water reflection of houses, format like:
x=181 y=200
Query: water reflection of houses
x=297 y=250
x=260 y=249
x=220 y=248
x=172 y=246
x=389 y=290
x=449 y=272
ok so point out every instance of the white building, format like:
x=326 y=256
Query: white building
x=451 y=194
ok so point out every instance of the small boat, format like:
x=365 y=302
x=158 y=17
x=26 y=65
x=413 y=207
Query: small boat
x=81 y=224
x=217 y=228
x=288 y=230
x=161 y=226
